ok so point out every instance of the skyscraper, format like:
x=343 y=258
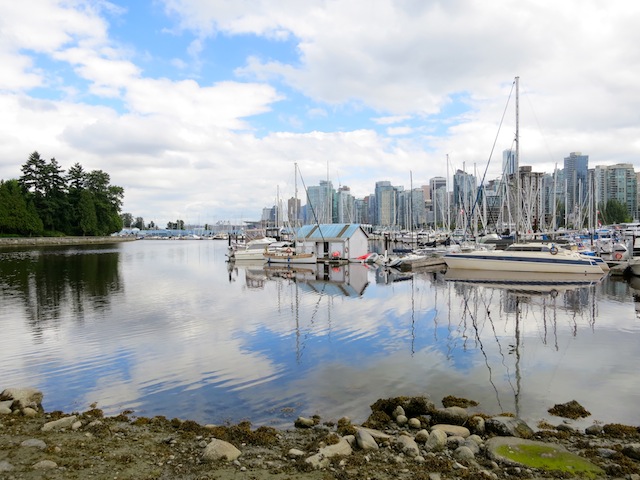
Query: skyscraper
x=575 y=173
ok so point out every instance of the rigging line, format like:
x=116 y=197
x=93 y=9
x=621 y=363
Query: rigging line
x=309 y=204
x=495 y=141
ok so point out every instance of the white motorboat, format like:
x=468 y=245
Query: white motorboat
x=527 y=257
x=252 y=250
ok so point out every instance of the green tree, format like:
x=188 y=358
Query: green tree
x=88 y=221
x=139 y=223
x=615 y=212
x=107 y=200
x=17 y=215
x=127 y=220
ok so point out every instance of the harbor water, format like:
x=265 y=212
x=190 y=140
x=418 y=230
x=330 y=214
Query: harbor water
x=171 y=328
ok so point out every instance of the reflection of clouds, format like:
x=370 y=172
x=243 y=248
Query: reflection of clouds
x=179 y=333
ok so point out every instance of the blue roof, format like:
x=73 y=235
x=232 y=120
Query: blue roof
x=330 y=230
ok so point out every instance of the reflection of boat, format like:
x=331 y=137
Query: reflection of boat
x=349 y=280
x=529 y=282
x=527 y=257
x=292 y=273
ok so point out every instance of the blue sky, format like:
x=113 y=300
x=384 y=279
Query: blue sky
x=200 y=108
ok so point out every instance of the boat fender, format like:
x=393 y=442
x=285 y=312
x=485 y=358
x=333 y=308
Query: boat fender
x=288 y=250
x=618 y=256
x=335 y=254
x=553 y=250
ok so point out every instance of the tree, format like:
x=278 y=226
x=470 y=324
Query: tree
x=88 y=221
x=615 y=212
x=127 y=220
x=17 y=215
x=139 y=223
x=108 y=201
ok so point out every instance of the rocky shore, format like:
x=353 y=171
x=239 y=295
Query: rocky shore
x=404 y=437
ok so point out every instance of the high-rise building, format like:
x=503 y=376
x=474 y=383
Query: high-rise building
x=616 y=182
x=320 y=203
x=386 y=204
x=576 y=168
x=439 y=200
x=508 y=162
x=345 y=212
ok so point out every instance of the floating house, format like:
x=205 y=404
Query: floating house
x=335 y=241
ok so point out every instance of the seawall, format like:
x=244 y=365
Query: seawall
x=44 y=241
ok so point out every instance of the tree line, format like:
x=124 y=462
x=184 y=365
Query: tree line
x=46 y=200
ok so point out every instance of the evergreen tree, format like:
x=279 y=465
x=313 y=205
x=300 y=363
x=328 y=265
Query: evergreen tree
x=17 y=215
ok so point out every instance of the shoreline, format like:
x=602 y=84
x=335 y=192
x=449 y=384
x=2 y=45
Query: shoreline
x=48 y=241
x=403 y=438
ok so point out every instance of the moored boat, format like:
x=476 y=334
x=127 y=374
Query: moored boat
x=527 y=257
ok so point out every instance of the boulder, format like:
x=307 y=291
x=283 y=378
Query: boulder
x=220 y=450
x=64 y=422
x=365 y=440
x=508 y=427
x=22 y=398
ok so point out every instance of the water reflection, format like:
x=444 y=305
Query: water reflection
x=349 y=280
x=225 y=342
x=53 y=283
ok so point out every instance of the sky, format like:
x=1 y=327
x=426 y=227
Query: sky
x=200 y=109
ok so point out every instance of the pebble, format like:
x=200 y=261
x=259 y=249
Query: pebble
x=34 y=443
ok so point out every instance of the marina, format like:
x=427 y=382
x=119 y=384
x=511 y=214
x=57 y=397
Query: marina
x=174 y=329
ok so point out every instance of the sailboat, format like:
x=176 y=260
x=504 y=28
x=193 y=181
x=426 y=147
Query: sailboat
x=526 y=257
x=292 y=255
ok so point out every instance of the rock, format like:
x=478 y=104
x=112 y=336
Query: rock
x=476 y=425
x=540 y=455
x=365 y=441
x=22 y=398
x=322 y=458
x=5 y=410
x=45 y=465
x=414 y=423
x=593 y=430
x=294 y=452
x=65 y=422
x=509 y=427
x=401 y=420
x=570 y=409
x=5 y=466
x=472 y=445
x=408 y=446
x=476 y=439
x=30 y=412
x=303 y=422
x=34 y=443
x=452 y=415
x=455 y=442
x=436 y=441
x=422 y=436
x=376 y=434
x=76 y=425
x=464 y=454
x=632 y=451
x=452 y=430
x=397 y=412
x=220 y=450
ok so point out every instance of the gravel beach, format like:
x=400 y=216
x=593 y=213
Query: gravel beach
x=404 y=437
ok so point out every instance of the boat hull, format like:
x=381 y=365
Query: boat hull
x=518 y=262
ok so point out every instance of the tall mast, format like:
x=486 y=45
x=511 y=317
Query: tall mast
x=295 y=192
x=517 y=172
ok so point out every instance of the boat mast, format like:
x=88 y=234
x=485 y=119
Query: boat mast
x=517 y=160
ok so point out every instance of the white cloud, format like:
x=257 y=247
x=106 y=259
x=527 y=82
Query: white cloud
x=168 y=139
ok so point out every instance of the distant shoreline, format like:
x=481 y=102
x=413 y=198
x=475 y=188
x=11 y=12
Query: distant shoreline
x=45 y=241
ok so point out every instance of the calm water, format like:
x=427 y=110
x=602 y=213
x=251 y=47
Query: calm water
x=169 y=328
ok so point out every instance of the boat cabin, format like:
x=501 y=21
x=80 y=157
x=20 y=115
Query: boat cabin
x=335 y=241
